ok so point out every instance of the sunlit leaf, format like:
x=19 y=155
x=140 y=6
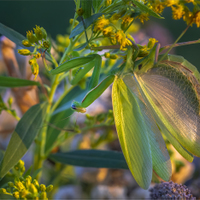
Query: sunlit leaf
x=23 y=136
x=74 y=62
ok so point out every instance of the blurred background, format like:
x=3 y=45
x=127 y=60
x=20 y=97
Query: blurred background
x=103 y=183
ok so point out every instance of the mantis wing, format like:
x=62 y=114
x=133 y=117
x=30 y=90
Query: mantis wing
x=132 y=133
x=172 y=91
x=160 y=156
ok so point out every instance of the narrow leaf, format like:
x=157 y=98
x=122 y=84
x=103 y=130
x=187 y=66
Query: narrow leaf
x=59 y=121
x=87 y=8
x=80 y=28
x=146 y=9
x=6 y=81
x=96 y=72
x=132 y=133
x=23 y=136
x=91 y=158
x=96 y=4
x=75 y=62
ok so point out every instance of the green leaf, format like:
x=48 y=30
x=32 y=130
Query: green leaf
x=87 y=8
x=132 y=133
x=6 y=196
x=74 y=62
x=12 y=35
x=81 y=47
x=23 y=136
x=96 y=4
x=6 y=81
x=91 y=158
x=59 y=120
x=80 y=28
x=146 y=9
x=96 y=72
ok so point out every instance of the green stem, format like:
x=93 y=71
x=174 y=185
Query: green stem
x=15 y=116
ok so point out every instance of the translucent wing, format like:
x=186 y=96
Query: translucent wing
x=160 y=156
x=172 y=91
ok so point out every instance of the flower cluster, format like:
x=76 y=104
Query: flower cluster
x=25 y=187
x=170 y=190
x=38 y=40
x=179 y=9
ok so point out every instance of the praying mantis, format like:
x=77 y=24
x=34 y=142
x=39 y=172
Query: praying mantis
x=152 y=97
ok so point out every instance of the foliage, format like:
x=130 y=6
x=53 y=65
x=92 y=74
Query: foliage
x=150 y=94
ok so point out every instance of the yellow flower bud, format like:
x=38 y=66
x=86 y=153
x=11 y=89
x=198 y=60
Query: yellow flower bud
x=33 y=189
x=42 y=188
x=107 y=55
x=38 y=32
x=3 y=191
x=19 y=185
x=24 y=193
x=16 y=195
x=108 y=3
x=80 y=11
x=28 y=182
x=35 y=182
x=49 y=188
x=43 y=196
x=31 y=37
x=24 y=52
x=75 y=23
x=32 y=61
x=38 y=55
x=26 y=43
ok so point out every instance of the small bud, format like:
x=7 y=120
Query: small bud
x=3 y=191
x=19 y=185
x=26 y=43
x=43 y=196
x=31 y=37
x=76 y=106
x=10 y=184
x=75 y=23
x=42 y=188
x=16 y=195
x=38 y=32
x=38 y=55
x=8 y=190
x=80 y=11
x=21 y=178
x=113 y=56
x=10 y=101
x=24 y=52
x=108 y=3
x=20 y=163
x=27 y=182
x=46 y=44
x=33 y=189
x=32 y=61
x=107 y=55
x=35 y=70
x=44 y=33
x=35 y=182
x=49 y=188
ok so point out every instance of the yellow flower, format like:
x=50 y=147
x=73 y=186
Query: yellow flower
x=108 y=31
x=188 y=15
x=178 y=12
x=197 y=19
x=101 y=23
x=158 y=6
x=121 y=38
x=108 y=2
x=170 y=3
x=143 y=16
x=126 y=19
x=24 y=52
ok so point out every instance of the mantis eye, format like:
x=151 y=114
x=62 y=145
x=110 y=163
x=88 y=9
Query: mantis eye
x=140 y=66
